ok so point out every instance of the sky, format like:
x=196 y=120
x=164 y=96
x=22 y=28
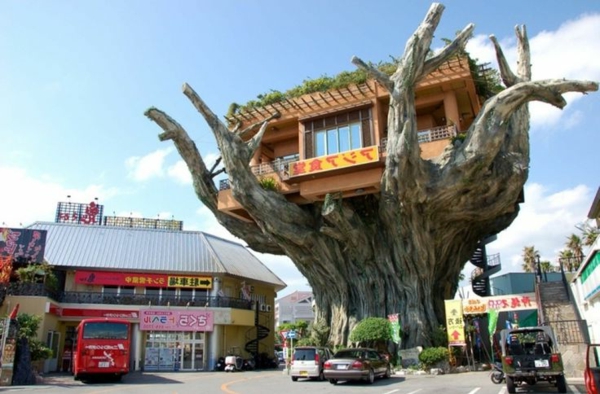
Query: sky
x=77 y=76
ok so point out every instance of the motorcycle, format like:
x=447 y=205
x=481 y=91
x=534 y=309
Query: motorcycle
x=220 y=364
x=497 y=375
x=234 y=363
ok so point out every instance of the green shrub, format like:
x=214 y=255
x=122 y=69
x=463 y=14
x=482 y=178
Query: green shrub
x=432 y=355
x=269 y=183
x=371 y=331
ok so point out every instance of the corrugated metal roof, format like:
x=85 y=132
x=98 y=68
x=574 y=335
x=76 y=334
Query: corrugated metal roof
x=135 y=249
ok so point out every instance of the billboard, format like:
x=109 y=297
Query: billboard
x=143 y=279
x=78 y=213
x=175 y=320
x=23 y=243
x=160 y=224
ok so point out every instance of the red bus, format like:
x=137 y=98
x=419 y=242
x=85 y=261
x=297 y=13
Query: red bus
x=102 y=349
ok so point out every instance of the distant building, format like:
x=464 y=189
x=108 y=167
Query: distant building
x=586 y=282
x=294 y=307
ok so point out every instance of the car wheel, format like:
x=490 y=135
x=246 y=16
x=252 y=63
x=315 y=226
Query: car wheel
x=510 y=385
x=333 y=381
x=561 y=384
x=294 y=378
x=371 y=377
x=388 y=372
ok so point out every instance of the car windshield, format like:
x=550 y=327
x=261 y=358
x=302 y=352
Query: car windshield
x=304 y=354
x=349 y=353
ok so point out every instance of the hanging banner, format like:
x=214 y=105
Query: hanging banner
x=502 y=303
x=454 y=323
x=492 y=321
x=395 y=327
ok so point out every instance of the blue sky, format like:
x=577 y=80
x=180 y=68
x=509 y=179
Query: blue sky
x=76 y=77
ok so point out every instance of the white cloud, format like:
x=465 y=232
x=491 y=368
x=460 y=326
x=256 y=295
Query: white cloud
x=180 y=172
x=569 y=52
x=33 y=199
x=545 y=221
x=149 y=166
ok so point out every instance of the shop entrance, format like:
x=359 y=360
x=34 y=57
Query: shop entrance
x=174 y=351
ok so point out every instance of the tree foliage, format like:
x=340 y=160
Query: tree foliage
x=370 y=331
x=28 y=328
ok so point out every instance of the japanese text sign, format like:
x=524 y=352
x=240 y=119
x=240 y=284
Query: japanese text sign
x=511 y=302
x=175 y=320
x=25 y=243
x=455 y=323
x=335 y=161
x=141 y=279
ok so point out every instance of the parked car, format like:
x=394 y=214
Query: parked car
x=308 y=362
x=280 y=357
x=530 y=355
x=357 y=364
x=592 y=369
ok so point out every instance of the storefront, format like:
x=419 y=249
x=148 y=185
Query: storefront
x=175 y=339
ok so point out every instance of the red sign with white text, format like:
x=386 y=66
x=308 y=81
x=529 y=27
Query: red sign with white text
x=77 y=312
x=142 y=279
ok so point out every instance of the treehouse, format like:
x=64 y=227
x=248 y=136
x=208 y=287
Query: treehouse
x=334 y=142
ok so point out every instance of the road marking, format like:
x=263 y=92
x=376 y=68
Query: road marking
x=474 y=390
x=225 y=386
x=574 y=389
x=502 y=390
x=393 y=391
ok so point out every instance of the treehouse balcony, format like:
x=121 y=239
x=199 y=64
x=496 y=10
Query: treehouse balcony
x=335 y=141
x=346 y=174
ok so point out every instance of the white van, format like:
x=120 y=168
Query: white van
x=307 y=362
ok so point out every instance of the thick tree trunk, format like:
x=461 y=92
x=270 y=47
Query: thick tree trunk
x=400 y=251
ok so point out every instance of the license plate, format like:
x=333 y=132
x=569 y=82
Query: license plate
x=303 y=373
x=104 y=364
x=541 y=363
x=342 y=366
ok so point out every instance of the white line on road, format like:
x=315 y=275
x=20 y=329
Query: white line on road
x=396 y=390
x=574 y=389
x=474 y=390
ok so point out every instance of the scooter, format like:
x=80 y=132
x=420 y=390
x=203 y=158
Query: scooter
x=234 y=363
x=220 y=364
x=497 y=375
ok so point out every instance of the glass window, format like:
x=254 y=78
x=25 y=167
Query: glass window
x=320 y=144
x=340 y=139
x=127 y=290
x=105 y=330
x=111 y=289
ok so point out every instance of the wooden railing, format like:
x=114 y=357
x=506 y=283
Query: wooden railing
x=281 y=166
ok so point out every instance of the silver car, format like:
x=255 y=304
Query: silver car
x=308 y=361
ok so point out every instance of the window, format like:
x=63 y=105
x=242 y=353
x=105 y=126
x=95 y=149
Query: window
x=338 y=133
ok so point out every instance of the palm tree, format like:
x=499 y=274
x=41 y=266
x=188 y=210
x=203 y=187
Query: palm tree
x=547 y=266
x=530 y=256
x=574 y=244
x=566 y=259
x=589 y=233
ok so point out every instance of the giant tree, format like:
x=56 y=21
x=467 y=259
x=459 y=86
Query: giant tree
x=401 y=250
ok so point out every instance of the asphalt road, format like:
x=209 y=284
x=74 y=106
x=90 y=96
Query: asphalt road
x=277 y=381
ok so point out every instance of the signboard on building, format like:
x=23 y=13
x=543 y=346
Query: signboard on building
x=78 y=312
x=159 y=224
x=454 y=322
x=142 y=279
x=77 y=213
x=23 y=243
x=332 y=162
x=503 y=303
x=175 y=320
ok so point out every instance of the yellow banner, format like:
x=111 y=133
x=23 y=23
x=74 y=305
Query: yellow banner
x=190 y=282
x=454 y=322
x=332 y=162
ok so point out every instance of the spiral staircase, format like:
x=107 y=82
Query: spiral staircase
x=487 y=266
x=257 y=333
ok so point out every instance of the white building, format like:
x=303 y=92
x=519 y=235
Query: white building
x=294 y=307
x=586 y=282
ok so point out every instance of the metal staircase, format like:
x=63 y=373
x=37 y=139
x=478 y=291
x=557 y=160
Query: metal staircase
x=257 y=333
x=488 y=266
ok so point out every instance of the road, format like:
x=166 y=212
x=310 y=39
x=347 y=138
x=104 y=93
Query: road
x=277 y=381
